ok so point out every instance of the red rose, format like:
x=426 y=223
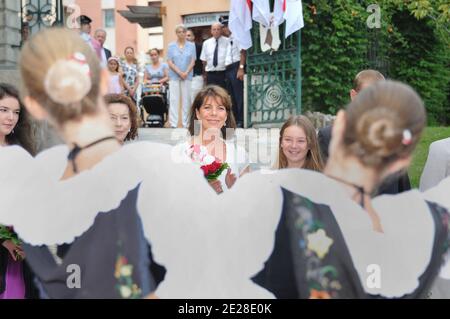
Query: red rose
x=212 y=168
x=216 y=165
x=205 y=170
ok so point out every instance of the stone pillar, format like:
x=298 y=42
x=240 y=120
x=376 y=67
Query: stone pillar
x=10 y=38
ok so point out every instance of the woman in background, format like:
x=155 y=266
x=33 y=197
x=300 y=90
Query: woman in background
x=130 y=68
x=298 y=145
x=15 y=129
x=181 y=57
x=124 y=116
x=157 y=72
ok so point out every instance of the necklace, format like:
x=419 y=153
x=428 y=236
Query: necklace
x=77 y=149
x=359 y=188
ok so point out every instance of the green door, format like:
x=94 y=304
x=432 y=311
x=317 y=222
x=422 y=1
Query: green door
x=273 y=80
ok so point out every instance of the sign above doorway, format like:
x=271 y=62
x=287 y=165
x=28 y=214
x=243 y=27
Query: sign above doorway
x=202 y=19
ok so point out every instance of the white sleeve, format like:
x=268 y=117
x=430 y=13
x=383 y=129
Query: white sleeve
x=439 y=194
x=435 y=167
x=203 y=53
x=228 y=57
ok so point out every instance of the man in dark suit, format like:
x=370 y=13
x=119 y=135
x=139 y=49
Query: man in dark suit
x=100 y=36
x=392 y=185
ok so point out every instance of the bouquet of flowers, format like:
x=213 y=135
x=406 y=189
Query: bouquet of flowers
x=212 y=168
x=7 y=233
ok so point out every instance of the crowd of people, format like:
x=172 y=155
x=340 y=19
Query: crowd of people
x=189 y=66
x=321 y=221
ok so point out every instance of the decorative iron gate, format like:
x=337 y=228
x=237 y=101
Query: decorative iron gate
x=38 y=14
x=273 y=80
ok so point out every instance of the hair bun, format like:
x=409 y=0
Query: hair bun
x=68 y=81
x=378 y=134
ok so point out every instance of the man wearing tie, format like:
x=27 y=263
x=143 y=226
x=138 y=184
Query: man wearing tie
x=213 y=56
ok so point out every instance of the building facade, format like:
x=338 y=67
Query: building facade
x=197 y=15
x=127 y=24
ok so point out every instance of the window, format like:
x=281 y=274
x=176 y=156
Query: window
x=108 y=18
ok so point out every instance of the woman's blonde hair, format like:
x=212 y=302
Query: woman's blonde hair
x=313 y=159
x=180 y=26
x=62 y=73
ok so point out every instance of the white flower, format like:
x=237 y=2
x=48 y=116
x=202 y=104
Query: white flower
x=208 y=159
x=319 y=243
x=125 y=292
x=126 y=270
x=197 y=153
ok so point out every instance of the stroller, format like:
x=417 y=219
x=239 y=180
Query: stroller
x=154 y=102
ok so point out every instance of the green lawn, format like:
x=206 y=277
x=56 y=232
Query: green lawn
x=430 y=135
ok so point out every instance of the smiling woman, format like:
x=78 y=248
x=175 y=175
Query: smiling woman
x=211 y=128
x=298 y=146
x=15 y=129
x=15 y=126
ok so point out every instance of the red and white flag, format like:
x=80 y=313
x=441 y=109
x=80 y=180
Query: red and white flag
x=240 y=22
x=293 y=14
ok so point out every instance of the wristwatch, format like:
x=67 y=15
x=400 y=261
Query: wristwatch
x=241 y=66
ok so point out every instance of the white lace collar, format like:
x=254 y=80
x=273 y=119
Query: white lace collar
x=402 y=252
x=49 y=211
x=231 y=234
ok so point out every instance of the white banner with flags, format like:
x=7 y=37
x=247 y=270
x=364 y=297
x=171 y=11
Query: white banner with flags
x=240 y=22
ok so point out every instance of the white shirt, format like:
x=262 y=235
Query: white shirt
x=208 y=54
x=233 y=52
x=437 y=166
